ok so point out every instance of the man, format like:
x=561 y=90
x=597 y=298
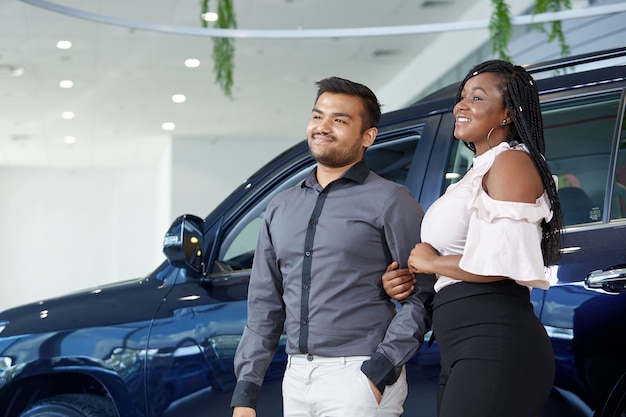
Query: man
x=317 y=272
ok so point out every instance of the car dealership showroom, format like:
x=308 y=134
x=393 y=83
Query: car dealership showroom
x=141 y=142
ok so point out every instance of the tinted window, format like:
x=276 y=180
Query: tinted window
x=579 y=140
x=618 y=202
x=460 y=161
x=392 y=160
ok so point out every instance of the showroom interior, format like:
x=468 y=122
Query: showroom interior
x=108 y=132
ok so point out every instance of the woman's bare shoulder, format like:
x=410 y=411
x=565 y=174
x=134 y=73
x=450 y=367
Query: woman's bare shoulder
x=514 y=177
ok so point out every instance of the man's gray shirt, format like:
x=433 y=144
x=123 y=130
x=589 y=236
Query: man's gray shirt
x=317 y=274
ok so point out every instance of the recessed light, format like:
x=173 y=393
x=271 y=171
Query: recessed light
x=67 y=115
x=209 y=16
x=69 y=140
x=169 y=126
x=64 y=44
x=192 y=63
x=66 y=84
x=179 y=98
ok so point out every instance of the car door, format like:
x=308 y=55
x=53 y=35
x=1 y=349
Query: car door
x=585 y=309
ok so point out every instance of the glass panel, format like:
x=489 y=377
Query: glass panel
x=460 y=161
x=618 y=207
x=579 y=137
x=238 y=246
x=392 y=160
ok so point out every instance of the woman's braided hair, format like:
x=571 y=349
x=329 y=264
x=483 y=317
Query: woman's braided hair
x=521 y=98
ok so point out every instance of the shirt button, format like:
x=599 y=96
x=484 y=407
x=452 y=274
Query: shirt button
x=304 y=322
x=307 y=253
x=309 y=357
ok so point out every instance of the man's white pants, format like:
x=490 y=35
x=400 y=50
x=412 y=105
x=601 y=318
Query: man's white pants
x=316 y=386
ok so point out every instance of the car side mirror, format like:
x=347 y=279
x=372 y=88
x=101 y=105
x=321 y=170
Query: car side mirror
x=184 y=242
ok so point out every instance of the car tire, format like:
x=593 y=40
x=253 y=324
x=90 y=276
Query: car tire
x=72 y=405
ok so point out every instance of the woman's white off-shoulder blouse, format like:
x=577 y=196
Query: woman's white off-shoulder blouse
x=494 y=237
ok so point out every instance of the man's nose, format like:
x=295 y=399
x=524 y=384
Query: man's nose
x=323 y=126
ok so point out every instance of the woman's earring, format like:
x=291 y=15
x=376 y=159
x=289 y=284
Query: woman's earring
x=503 y=122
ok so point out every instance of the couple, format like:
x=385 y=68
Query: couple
x=324 y=245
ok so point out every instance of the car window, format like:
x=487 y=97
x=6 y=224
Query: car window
x=392 y=160
x=618 y=202
x=389 y=159
x=237 y=250
x=579 y=139
x=460 y=161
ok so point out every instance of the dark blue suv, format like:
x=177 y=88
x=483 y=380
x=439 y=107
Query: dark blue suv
x=163 y=345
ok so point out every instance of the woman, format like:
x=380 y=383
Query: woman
x=488 y=239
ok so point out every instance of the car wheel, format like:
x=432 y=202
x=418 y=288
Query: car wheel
x=72 y=405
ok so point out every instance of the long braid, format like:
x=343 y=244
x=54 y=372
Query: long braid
x=521 y=98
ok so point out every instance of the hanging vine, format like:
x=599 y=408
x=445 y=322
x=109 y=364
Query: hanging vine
x=556 y=31
x=500 y=29
x=223 y=48
x=500 y=26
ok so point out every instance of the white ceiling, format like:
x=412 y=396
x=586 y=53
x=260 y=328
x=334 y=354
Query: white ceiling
x=124 y=78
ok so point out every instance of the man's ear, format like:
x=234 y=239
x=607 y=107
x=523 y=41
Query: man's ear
x=369 y=136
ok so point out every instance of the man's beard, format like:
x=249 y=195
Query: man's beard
x=334 y=158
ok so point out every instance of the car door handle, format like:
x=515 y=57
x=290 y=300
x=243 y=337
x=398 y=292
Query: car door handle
x=610 y=280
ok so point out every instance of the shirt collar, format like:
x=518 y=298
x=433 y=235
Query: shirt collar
x=357 y=173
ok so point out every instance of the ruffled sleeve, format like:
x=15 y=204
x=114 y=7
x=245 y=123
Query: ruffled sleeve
x=504 y=237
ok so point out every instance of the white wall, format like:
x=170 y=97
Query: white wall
x=64 y=230
x=205 y=171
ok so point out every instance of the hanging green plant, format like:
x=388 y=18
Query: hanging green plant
x=223 y=48
x=500 y=29
x=500 y=26
x=556 y=31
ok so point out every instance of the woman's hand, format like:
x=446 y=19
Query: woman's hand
x=398 y=283
x=421 y=259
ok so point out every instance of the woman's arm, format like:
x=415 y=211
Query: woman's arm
x=425 y=259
